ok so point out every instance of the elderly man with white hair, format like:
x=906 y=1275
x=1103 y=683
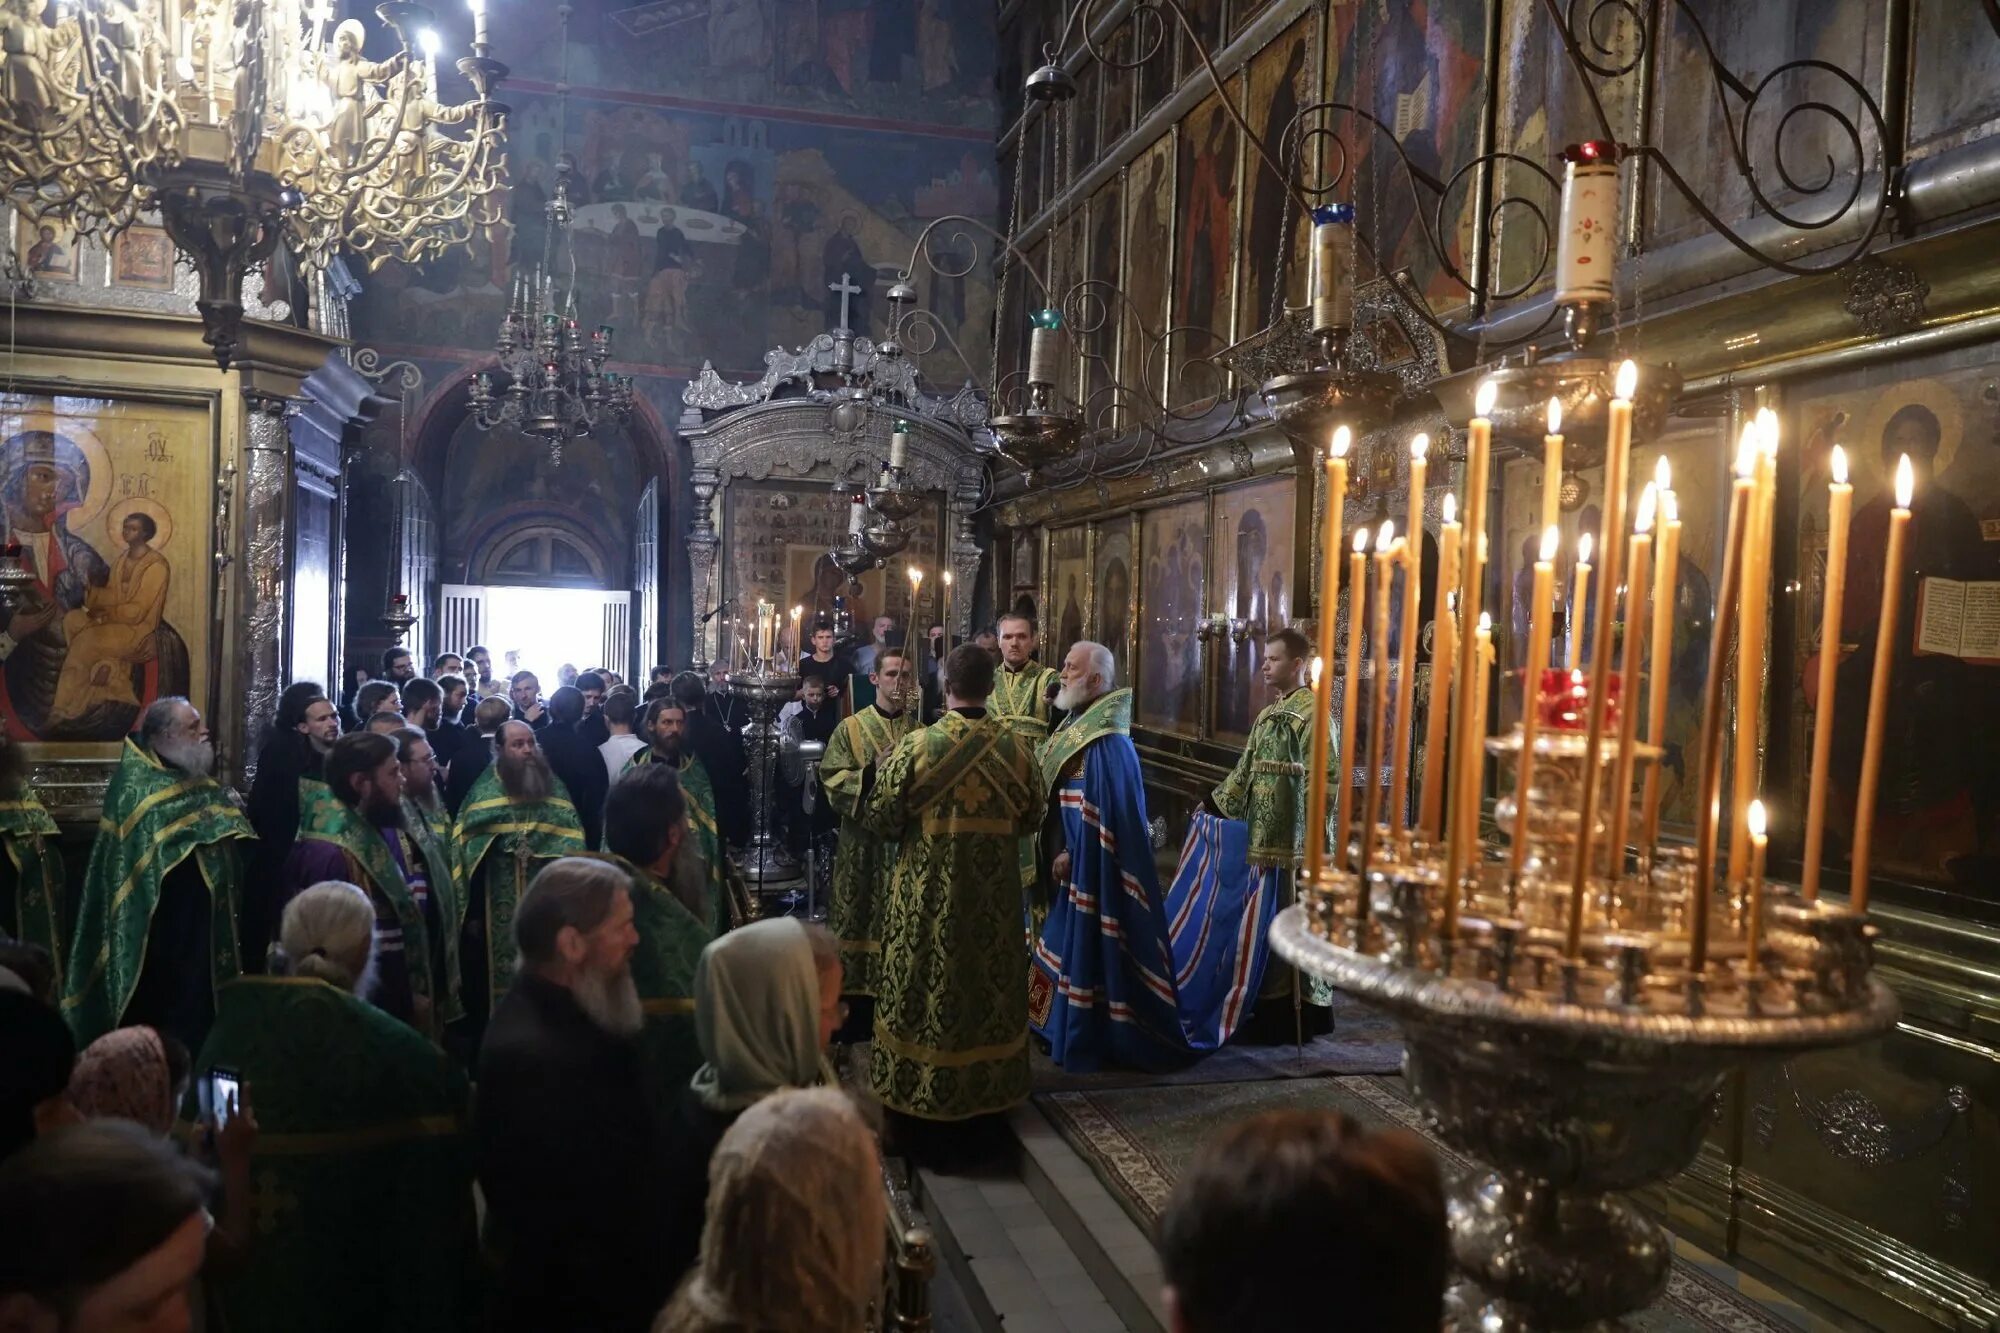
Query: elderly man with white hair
x=1101 y=985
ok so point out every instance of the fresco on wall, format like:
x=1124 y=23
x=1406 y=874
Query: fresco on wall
x=1419 y=68
x=1283 y=77
x=1149 y=235
x=1751 y=39
x=705 y=237
x=1174 y=541
x=872 y=58
x=1958 y=98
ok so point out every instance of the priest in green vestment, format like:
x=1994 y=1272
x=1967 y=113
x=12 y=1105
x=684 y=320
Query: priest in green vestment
x=1267 y=791
x=1024 y=693
x=951 y=1016
x=368 y=834
x=663 y=726
x=646 y=835
x=863 y=860
x=31 y=875
x=362 y=1174
x=516 y=818
x=157 y=919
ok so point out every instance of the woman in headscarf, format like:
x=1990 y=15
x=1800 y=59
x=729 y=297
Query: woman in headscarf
x=796 y=1220
x=766 y=1002
x=131 y=1074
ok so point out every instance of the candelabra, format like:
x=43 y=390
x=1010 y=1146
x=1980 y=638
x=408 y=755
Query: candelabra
x=398 y=618
x=245 y=124
x=765 y=689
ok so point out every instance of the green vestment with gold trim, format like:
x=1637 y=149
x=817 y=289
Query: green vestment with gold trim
x=501 y=843
x=700 y=795
x=372 y=868
x=155 y=817
x=671 y=938
x=1021 y=699
x=1267 y=788
x=951 y=1018
x=28 y=834
x=361 y=1184
x=863 y=859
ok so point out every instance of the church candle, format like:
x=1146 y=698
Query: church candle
x=944 y=607
x=1666 y=585
x=1386 y=557
x=1471 y=585
x=1330 y=281
x=1041 y=355
x=1357 y=585
x=1406 y=665
x=1552 y=467
x=1708 y=790
x=1579 y=598
x=1757 y=542
x=478 y=22
x=1617 y=454
x=797 y=646
x=857 y=517
x=1878 y=687
x=1639 y=558
x=1465 y=802
x=1329 y=595
x=1540 y=624
x=1754 y=927
x=1839 y=507
x=899 y=447
x=1444 y=648
x=916 y=594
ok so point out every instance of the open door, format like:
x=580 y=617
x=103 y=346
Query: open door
x=643 y=649
x=617 y=629
x=462 y=618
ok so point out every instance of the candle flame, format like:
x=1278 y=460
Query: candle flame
x=1343 y=438
x=1361 y=541
x=1551 y=540
x=1746 y=451
x=1756 y=820
x=1906 y=482
x=1767 y=431
x=1838 y=466
x=1555 y=416
x=1385 y=535
x=1663 y=475
x=916 y=576
x=1486 y=623
x=798 y=611
x=1649 y=500
x=1450 y=507
x=946 y=576
x=1628 y=380
x=1584 y=546
x=1489 y=394
x=1420 y=447
x=1318 y=664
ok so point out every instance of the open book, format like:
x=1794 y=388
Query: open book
x=1957 y=619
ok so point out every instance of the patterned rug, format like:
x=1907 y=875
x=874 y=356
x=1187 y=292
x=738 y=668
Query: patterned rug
x=1139 y=1140
x=1363 y=1041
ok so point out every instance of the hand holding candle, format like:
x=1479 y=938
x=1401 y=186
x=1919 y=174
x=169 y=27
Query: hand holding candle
x=1886 y=632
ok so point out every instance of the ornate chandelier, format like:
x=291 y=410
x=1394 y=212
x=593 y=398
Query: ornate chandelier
x=243 y=123
x=557 y=387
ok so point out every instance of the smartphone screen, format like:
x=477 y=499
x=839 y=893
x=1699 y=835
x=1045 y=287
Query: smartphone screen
x=223 y=1086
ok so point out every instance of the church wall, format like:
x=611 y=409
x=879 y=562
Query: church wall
x=1865 y=1177
x=793 y=143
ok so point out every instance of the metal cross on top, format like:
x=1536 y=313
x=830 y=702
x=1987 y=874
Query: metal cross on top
x=847 y=291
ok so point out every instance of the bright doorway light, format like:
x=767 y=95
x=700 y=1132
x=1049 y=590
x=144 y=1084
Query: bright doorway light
x=547 y=627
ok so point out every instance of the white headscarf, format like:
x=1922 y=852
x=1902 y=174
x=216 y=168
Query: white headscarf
x=756 y=1014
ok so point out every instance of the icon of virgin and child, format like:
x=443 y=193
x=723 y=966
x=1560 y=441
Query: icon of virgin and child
x=86 y=646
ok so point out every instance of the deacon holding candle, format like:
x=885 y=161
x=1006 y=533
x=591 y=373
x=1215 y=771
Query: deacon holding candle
x=1406 y=661
x=1878 y=688
x=1329 y=600
x=1839 y=512
x=1444 y=651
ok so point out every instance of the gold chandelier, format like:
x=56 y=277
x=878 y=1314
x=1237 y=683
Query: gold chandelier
x=243 y=123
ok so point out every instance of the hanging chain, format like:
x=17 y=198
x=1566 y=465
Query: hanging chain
x=1007 y=261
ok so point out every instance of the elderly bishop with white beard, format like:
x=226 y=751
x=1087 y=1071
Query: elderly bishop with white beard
x=1101 y=985
x=156 y=926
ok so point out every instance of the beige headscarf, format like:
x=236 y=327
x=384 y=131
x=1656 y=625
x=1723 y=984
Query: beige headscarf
x=756 y=1014
x=796 y=1182
x=124 y=1074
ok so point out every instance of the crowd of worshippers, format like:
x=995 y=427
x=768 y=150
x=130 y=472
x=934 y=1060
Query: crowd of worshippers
x=467 y=887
